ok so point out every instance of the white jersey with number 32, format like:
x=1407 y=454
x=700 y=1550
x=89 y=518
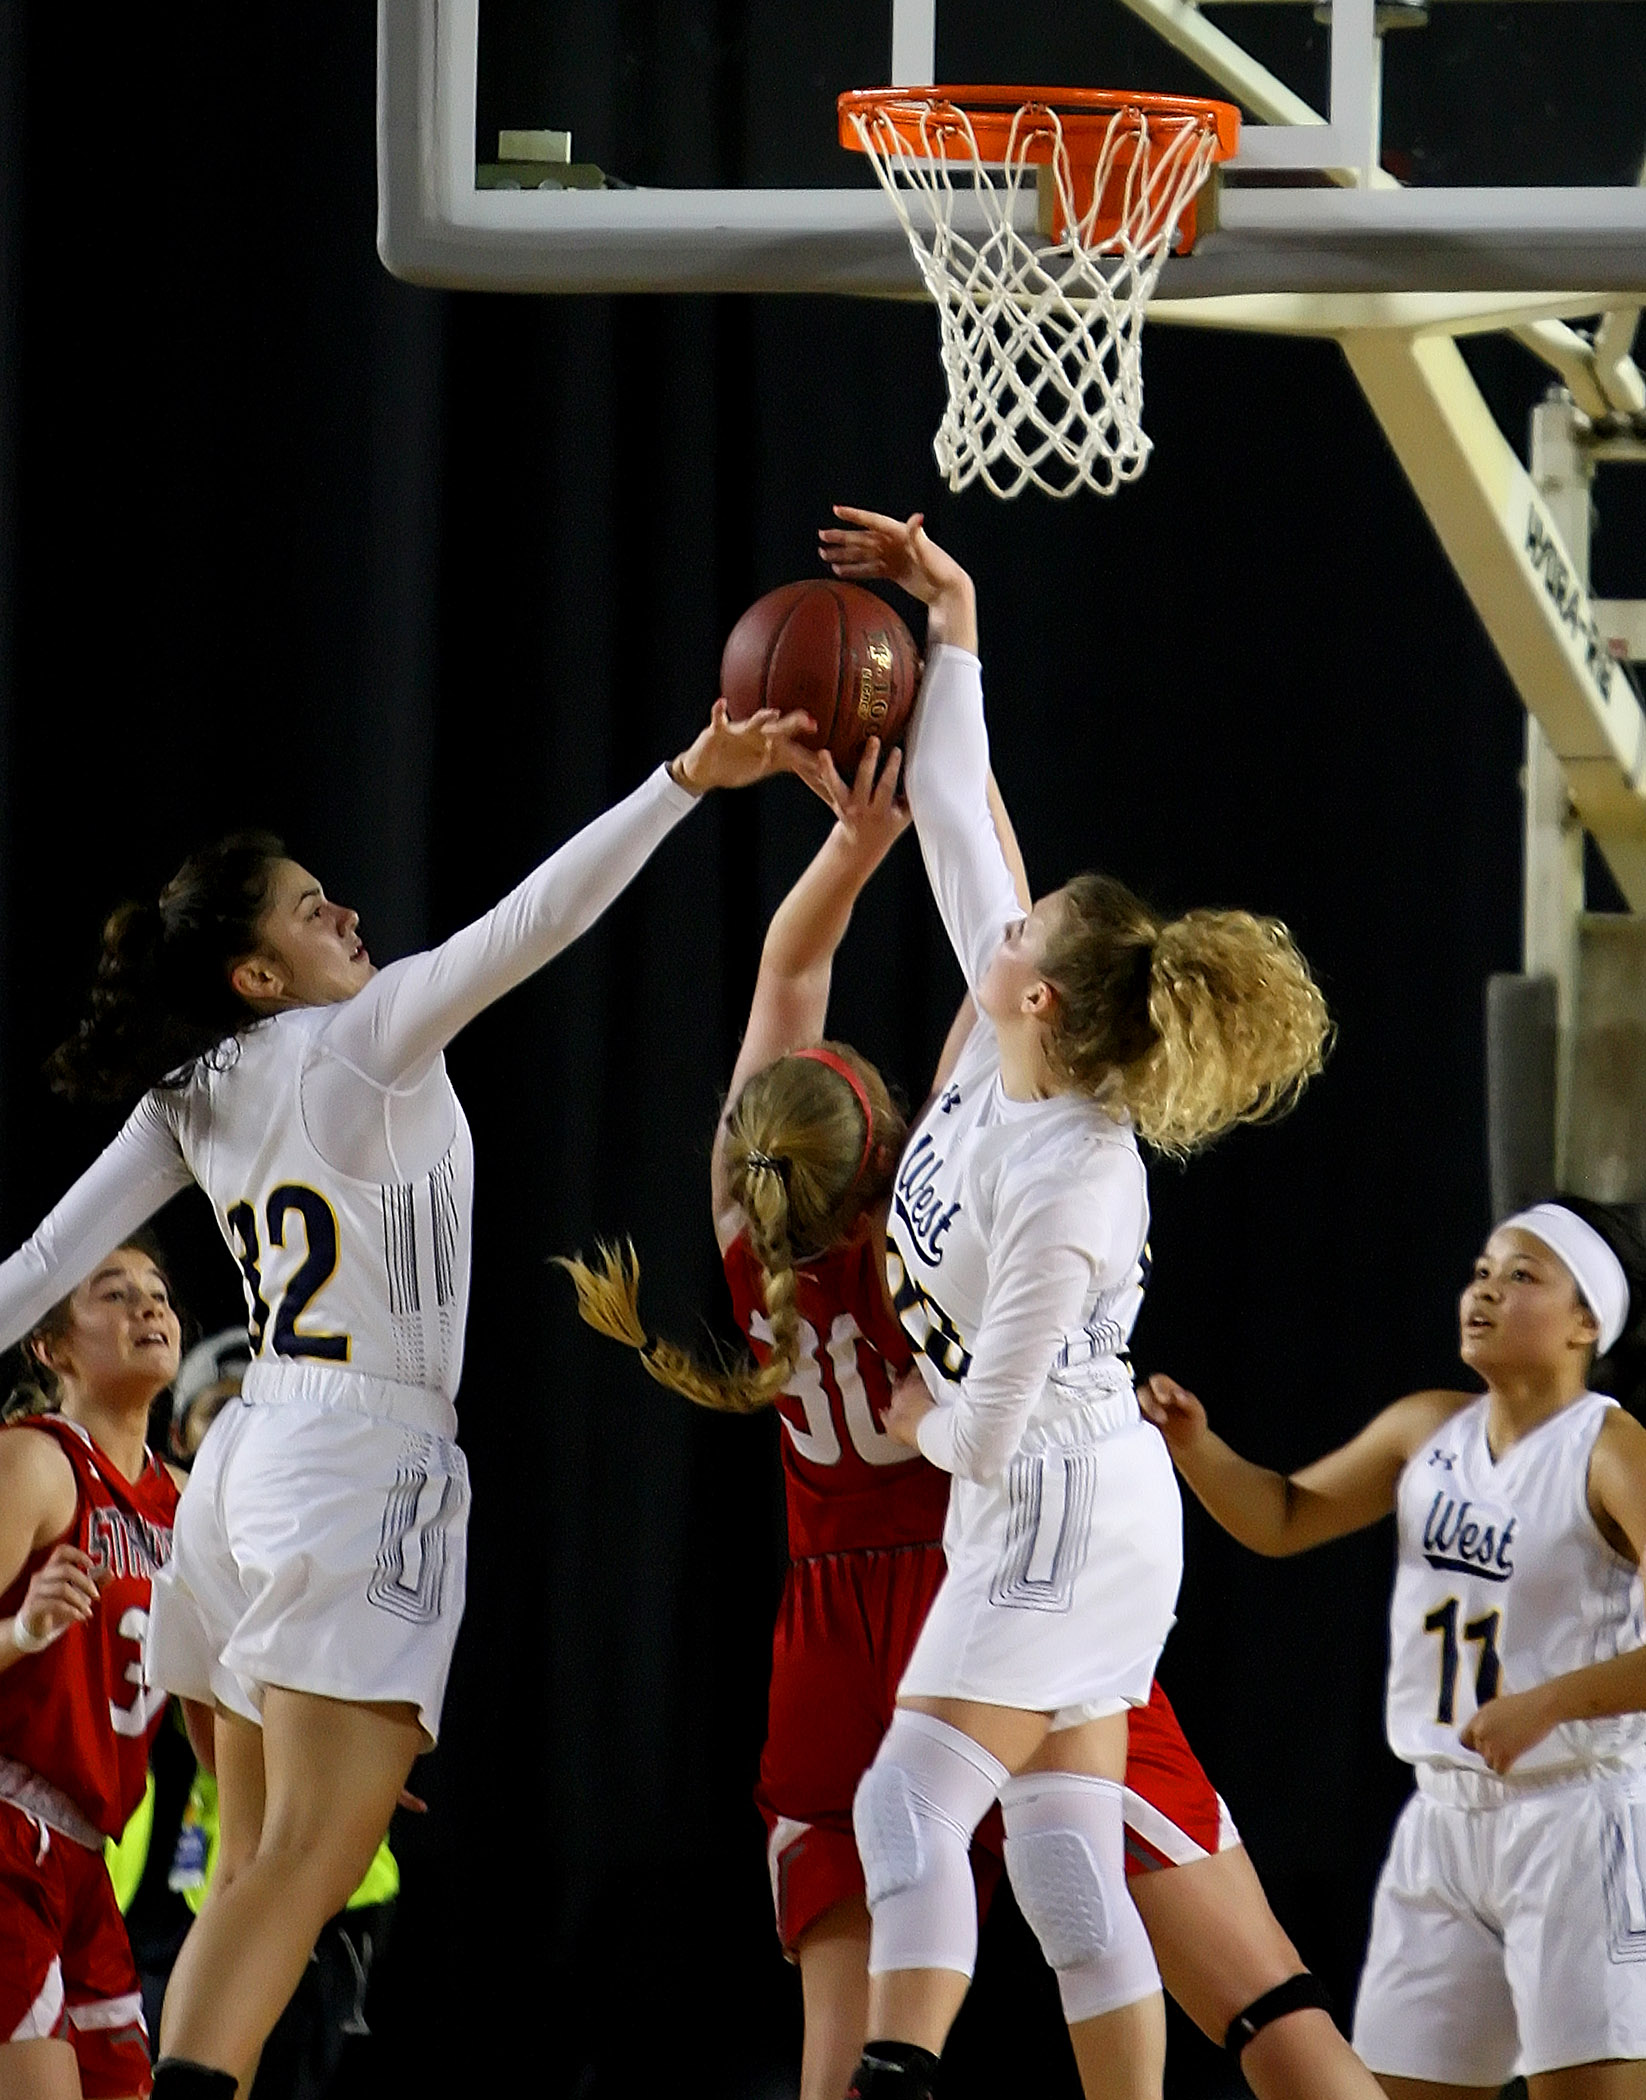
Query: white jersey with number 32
x=1504 y=1582
x=353 y=1270
x=331 y=1144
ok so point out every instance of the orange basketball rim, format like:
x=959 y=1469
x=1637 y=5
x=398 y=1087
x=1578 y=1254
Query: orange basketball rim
x=1098 y=131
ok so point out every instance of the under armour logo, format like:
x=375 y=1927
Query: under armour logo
x=1444 y=1459
x=949 y=1099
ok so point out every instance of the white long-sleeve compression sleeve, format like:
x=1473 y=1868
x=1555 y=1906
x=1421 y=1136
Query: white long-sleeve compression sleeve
x=127 y=1183
x=1050 y=1244
x=413 y=1008
x=946 y=778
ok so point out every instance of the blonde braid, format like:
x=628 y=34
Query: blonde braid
x=795 y=1165
x=608 y=1297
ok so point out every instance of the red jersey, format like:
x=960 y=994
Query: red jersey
x=77 y=1714
x=849 y=1485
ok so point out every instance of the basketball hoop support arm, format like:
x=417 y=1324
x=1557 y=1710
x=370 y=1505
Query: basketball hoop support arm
x=1526 y=581
x=1292 y=135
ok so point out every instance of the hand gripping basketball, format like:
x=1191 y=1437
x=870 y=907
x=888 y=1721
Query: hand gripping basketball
x=729 y=753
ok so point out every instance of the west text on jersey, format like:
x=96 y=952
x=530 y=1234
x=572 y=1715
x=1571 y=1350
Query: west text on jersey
x=918 y=1203
x=1470 y=1537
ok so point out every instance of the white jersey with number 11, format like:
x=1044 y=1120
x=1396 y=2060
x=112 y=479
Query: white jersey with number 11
x=1504 y=1582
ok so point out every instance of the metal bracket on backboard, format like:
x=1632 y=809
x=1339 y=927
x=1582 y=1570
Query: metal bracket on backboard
x=1350 y=140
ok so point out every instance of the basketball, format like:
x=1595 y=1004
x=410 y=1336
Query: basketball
x=833 y=649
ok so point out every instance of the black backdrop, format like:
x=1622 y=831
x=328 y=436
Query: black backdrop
x=424 y=581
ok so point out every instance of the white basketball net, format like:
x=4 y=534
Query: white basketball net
x=1041 y=339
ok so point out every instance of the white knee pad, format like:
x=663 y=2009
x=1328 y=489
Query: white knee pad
x=916 y=1808
x=1066 y=1856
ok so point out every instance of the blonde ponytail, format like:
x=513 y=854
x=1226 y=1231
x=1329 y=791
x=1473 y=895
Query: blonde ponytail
x=1188 y=1026
x=803 y=1170
x=1240 y=1029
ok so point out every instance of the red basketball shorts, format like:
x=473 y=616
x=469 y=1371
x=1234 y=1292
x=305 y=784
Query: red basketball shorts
x=66 y=1971
x=1174 y=1815
x=845 y=1630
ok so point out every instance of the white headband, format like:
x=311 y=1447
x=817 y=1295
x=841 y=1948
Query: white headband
x=1596 y=1270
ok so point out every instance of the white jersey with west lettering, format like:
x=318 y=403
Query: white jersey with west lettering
x=1017 y=1231
x=1015 y=1250
x=993 y=1199
x=1505 y=1581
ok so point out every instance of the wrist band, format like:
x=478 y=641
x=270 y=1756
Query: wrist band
x=27 y=1643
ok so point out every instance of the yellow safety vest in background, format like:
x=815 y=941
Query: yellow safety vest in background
x=128 y=1854
x=195 y=1861
x=197 y=1845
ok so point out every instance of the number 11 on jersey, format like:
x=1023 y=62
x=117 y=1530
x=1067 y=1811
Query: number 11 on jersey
x=1443 y=1621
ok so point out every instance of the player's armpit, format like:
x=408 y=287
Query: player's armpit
x=960 y=1029
x=1617 y=1483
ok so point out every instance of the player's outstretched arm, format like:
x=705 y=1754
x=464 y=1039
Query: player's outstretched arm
x=1505 y=1728
x=123 y=1187
x=965 y=1019
x=37 y=1499
x=791 y=995
x=390 y=1031
x=1281 y=1513
x=947 y=772
x=867 y=544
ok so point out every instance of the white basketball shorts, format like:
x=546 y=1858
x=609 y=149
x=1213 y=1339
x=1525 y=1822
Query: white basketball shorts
x=1509 y=1930
x=320 y=1545
x=1062 y=1573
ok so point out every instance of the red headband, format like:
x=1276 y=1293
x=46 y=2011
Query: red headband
x=836 y=1063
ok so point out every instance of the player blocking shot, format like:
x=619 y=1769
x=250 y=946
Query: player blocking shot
x=1016 y=1258
x=803 y=1169
x=316 y=1585
x=86 y=1512
x=1509 y=1927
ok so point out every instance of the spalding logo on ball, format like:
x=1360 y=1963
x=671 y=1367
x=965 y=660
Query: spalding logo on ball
x=833 y=649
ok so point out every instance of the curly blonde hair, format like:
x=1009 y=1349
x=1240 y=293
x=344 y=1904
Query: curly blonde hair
x=803 y=1170
x=1189 y=1025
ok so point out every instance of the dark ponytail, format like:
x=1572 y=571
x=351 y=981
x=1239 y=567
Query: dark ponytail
x=1621 y=1372
x=161 y=1000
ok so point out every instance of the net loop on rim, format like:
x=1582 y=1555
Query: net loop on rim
x=1040 y=233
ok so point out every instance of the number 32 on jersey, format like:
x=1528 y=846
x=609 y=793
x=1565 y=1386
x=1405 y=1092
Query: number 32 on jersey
x=290 y=1207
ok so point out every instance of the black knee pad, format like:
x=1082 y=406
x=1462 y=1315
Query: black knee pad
x=894 y=2071
x=177 y=2078
x=1294 y=1995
